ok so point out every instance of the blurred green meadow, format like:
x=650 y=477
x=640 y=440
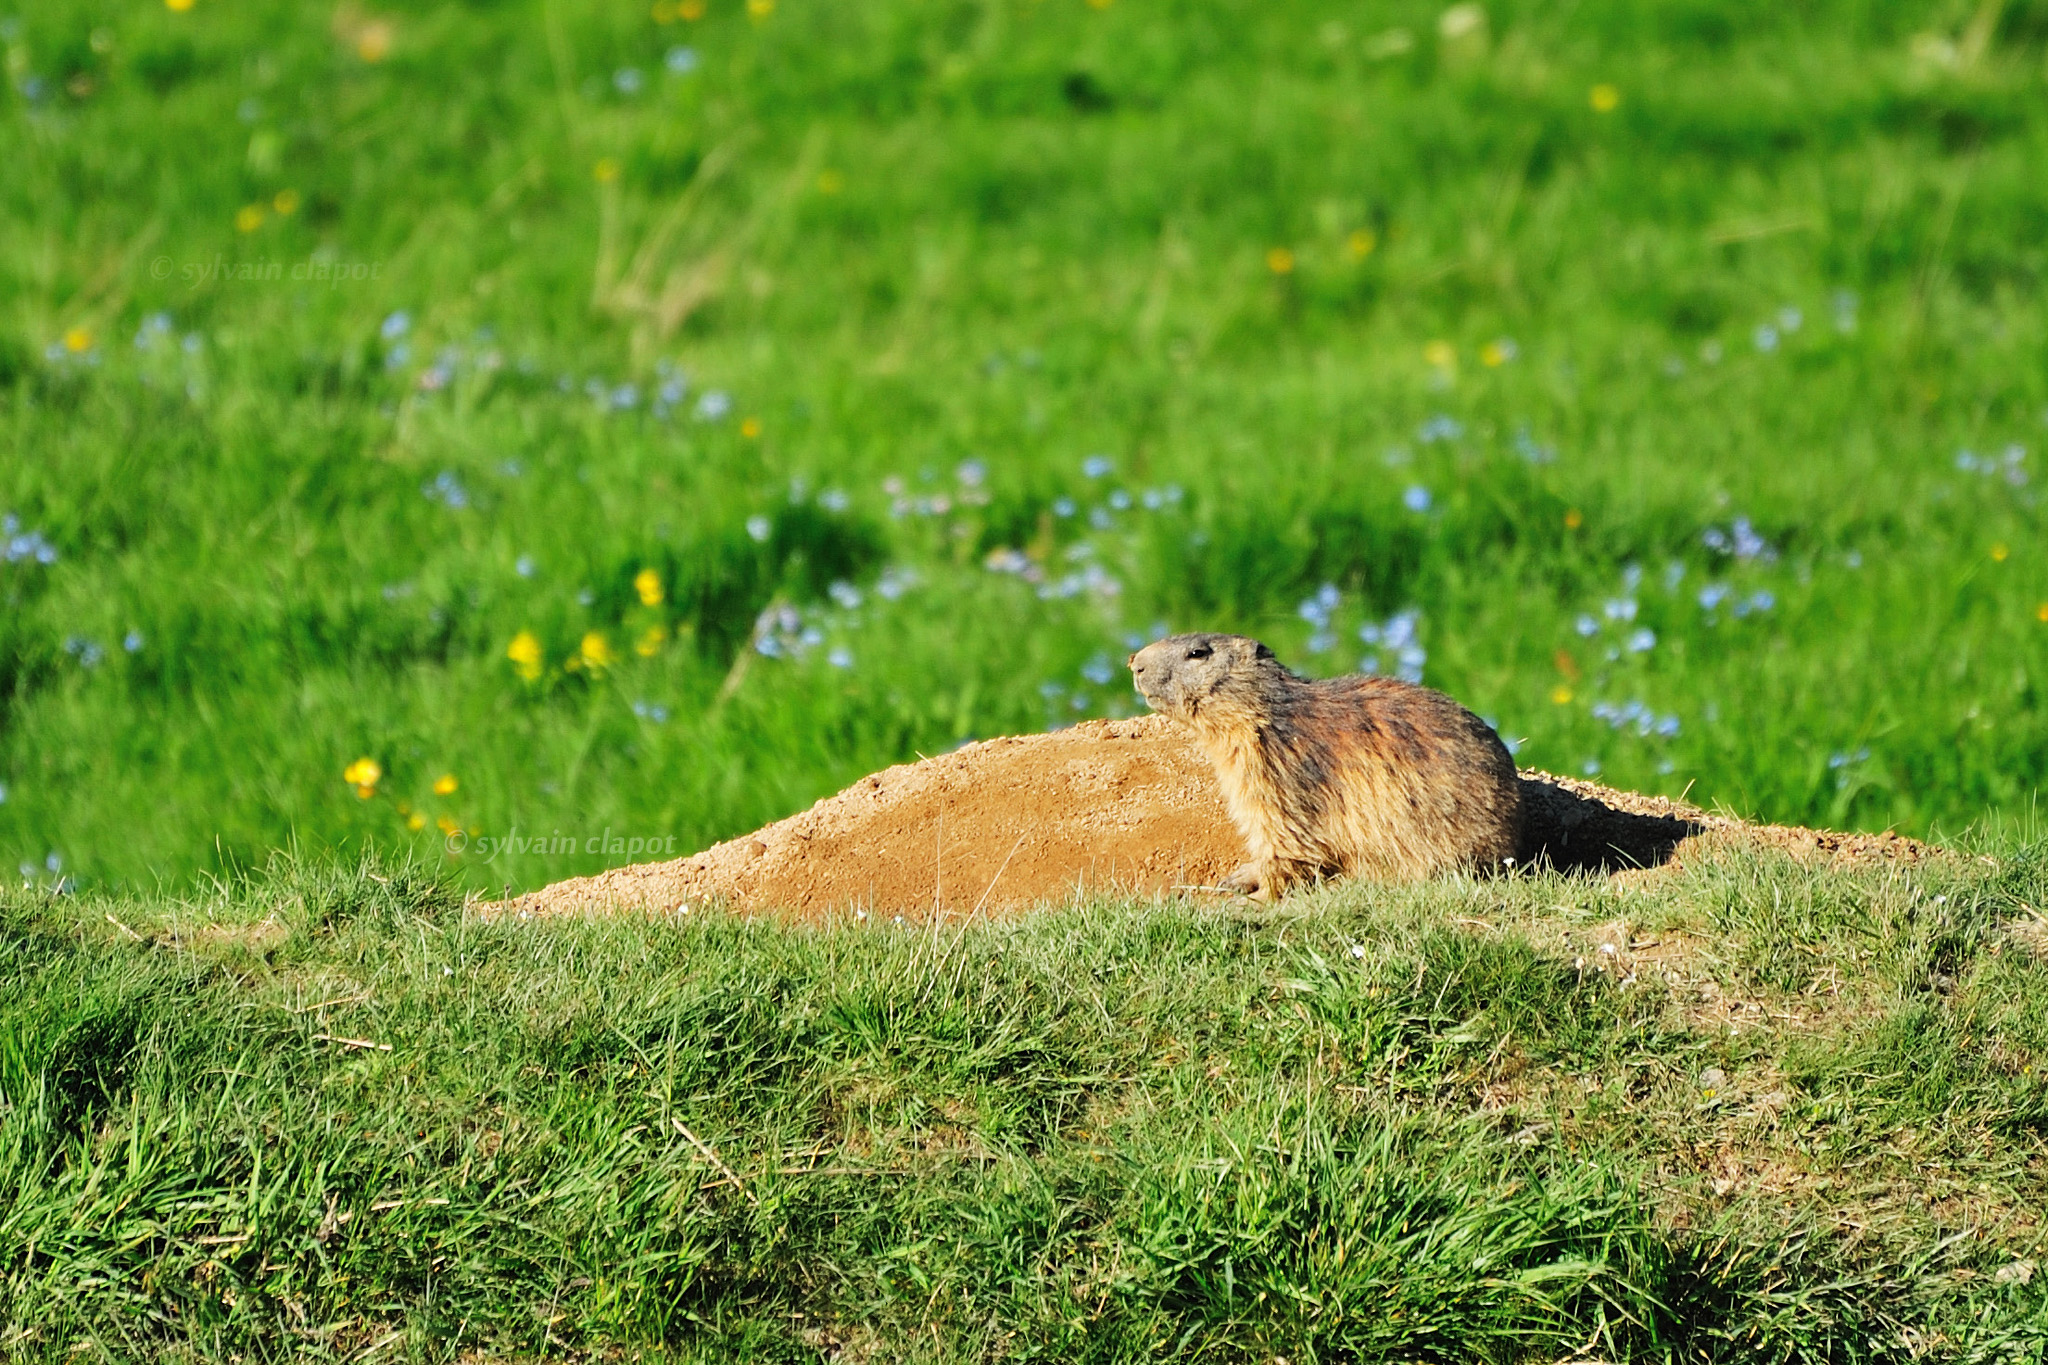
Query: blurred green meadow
x=460 y=421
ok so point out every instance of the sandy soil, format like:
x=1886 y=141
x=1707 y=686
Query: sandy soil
x=1111 y=806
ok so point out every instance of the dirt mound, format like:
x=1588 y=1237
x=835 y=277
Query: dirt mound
x=1111 y=806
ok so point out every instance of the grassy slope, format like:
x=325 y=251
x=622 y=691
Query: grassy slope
x=330 y=1111
x=1022 y=231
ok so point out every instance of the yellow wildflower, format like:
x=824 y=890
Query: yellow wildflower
x=447 y=826
x=286 y=202
x=445 y=784
x=415 y=821
x=605 y=171
x=1604 y=98
x=363 y=775
x=648 y=584
x=1999 y=551
x=177 y=6
x=2041 y=612
x=249 y=217
x=524 y=652
x=1362 y=242
x=1494 y=354
x=78 y=339
x=760 y=9
x=750 y=428
x=830 y=182
x=1441 y=354
x=1280 y=261
x=373 y=40
x=1573 y=520
x=693 y=10
x=650 y=642
x=1561 y=695
x=596 y=652
x=664 y=11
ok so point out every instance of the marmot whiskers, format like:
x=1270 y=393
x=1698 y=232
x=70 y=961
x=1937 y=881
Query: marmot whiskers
x=1356 y=776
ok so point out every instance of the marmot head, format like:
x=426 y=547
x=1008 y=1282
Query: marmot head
x=1182 y=674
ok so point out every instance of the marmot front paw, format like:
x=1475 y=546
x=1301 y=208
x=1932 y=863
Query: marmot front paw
x=1250 y=880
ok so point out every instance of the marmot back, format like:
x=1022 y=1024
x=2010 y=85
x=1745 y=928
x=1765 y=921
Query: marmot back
x=1355 y=776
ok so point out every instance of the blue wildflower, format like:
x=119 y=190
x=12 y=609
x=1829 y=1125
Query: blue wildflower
x=446 y=488
x=1317 y=610
x=1527 y=447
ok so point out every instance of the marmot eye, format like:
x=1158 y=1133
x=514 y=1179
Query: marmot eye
x=1200 y=652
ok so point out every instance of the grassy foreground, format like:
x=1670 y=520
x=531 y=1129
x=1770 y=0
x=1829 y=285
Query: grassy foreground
x=1787 y=1115
x=585 y=417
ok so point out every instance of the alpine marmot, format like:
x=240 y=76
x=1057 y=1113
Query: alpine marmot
x=1355 y=776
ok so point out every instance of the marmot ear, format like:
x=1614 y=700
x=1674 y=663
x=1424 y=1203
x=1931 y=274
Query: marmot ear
x=1260 y=651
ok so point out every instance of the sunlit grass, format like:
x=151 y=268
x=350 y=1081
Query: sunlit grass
x=1679 y=366
x=1772 y=1112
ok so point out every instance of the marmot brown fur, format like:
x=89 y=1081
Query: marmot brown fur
x=1356 y=776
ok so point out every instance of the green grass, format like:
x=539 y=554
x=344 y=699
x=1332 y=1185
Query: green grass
x=1017 y=232
x=329 y=1113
